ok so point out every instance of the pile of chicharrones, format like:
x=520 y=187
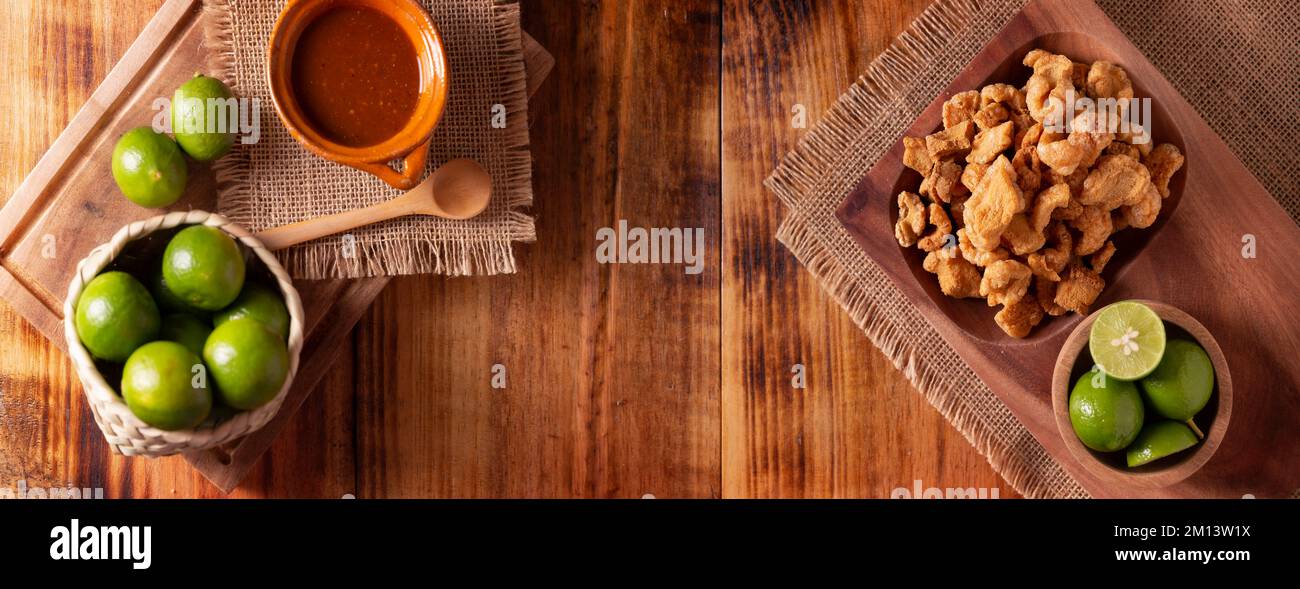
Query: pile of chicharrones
x=1033 y=207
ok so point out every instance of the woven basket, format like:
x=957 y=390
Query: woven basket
x=123 y=430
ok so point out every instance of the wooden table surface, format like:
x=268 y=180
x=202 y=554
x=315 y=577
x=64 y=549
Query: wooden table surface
x=622 y=380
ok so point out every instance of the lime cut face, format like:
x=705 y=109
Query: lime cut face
x=1183 y=382
x=1127 y=340
x=1106 y=413
x=1160 y=439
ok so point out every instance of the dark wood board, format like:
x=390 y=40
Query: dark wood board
x=1192 y=259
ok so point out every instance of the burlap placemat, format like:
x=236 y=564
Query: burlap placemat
x=277 y=181
x=1233 y=60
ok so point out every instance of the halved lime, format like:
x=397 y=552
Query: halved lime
x=1127 y=340
x=1158 y=440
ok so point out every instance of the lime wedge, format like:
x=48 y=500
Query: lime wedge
x=1127 y=340
x=1158 y=440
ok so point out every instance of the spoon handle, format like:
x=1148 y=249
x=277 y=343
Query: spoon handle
x=284 y=236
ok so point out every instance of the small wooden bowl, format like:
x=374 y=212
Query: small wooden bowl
x=1109 y=467
x=411 y=144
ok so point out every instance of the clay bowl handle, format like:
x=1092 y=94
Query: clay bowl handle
x=412 y=169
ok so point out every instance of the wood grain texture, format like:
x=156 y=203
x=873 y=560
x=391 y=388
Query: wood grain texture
x=612 y=370
x=1191 y=258
x=859 y=429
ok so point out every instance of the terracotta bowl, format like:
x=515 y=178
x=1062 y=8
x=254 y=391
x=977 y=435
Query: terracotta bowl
x=1073 y=361
x=411 y=144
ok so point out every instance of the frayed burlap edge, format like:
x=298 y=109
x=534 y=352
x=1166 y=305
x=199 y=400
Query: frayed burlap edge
x=476 y=252
x=1032 y=473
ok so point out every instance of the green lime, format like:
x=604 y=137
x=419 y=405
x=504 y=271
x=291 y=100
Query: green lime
x=115 y=315
x=1181 y=385
x=203 y=267
x=162 y=387
x=204 y=139
x=248 y=363
x=1159 y=439
x=149 y=168
x=1106 y=412
x=260 y=304
x=1127 y=340
x=167 y=300
x=186 y=330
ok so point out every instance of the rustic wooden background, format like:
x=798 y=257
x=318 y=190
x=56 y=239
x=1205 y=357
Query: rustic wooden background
x=622 y=380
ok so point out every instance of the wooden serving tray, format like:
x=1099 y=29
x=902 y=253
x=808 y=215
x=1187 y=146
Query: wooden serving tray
x=70 y=202
x=1191 y=259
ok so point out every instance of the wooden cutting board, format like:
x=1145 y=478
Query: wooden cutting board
x=69 y=204
x=1192 y=259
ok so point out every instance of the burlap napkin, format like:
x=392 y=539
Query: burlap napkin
x=277 y=181
x=1234 y=60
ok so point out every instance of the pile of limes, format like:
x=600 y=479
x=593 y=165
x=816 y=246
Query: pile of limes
x=1144 y=392
x=149 y=167
x=203 y=338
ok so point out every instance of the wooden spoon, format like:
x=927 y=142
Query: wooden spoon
x=459 y=189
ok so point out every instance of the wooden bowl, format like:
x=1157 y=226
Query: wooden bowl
x=1109 y=467
x=411 y=144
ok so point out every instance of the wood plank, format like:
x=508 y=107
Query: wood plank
x=57 y=54
x=859 y=429
x=1214 y=203
x=612 y=371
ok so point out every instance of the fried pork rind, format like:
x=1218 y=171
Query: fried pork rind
x=942 y=230
x=1107 y=80
x=991 y=116
x=1046 y=203
x=1028 y=176
x=1051 y=79
x=1049 y=262
x=911 y=219
x=1021 y=238
x=976 y=255
x=1118 y=180
x=1118 y=147
x=1062 y=156
x=1143 y=213
x=989 y=143
x=1077 y=291
x=961 y=107
x=1005 y=282
x=1099 y=260
x=971 y=175
x=958 y=278
x=952 y=141
x=1033 y=199
x=995 y=200
x=1163 y=161
x=1094 y=227
x=915 y=156
x=1019 y=318
x=1088 y=133
x=1045 y=290
x=1003 y=93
